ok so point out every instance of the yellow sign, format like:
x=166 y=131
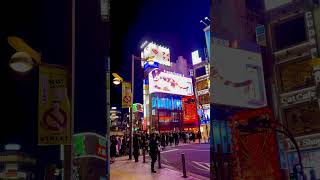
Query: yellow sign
x=126 y=95
x=54 y=124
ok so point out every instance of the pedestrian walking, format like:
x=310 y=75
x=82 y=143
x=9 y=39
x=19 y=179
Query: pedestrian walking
x=199 y=136
x=113 y=149
x=153 y=152
x=136 y=147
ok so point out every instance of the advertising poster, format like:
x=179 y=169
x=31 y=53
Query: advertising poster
x=303 y=119
x=256 y=154
x=296 y=75
x=157 y=54
x=237 y=82
x=190 y=114
x=161 y=81
x=126 y=95
x=54 y=124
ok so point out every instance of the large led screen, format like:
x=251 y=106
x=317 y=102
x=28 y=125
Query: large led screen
x=237 y=78
x=161 y=81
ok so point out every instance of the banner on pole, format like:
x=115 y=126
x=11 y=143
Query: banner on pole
x=126 y=95
x=54 y=124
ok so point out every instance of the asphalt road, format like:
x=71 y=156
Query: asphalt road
x=197 y=158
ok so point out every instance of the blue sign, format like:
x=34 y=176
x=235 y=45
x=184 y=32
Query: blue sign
x=149 y=65
x=207 y=34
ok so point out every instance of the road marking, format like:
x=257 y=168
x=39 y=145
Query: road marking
x=195 y=149
x=203 y=165
x=169 y=150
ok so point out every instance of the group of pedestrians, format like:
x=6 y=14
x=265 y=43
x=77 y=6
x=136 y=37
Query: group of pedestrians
x=149 y=143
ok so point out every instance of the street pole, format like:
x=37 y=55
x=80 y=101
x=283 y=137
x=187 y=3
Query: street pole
x=130 y=109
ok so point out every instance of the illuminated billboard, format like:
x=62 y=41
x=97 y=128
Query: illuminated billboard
x=190 y=114
x=196 y=59
x=156 y=53
x=272 y=4
x=161 y=81
x=238 y=78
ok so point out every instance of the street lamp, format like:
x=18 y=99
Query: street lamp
x=25 y=58
x=21 y=62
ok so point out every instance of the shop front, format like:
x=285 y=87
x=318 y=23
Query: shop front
x=310 y=155
x=172 y=101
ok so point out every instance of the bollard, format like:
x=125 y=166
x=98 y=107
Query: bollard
x=159 y=161
x=184 y=166
x=144 y=155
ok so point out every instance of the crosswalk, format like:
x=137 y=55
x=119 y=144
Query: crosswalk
x=201 y=165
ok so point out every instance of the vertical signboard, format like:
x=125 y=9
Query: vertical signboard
x=126 y=95
x=54 y=126
x=261 y=35
x=190 y=114
x=256 y=153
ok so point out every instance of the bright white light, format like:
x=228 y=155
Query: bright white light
x=114 y=108
x=21 y=66
x=116 y=81
x=21 y=62
x=195 y=57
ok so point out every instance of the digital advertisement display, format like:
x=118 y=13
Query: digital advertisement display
x=161 y=81
x=238 y=79
x=272 y=4
x=157 y=53
x=189 y=107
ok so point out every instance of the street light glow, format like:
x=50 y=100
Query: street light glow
x=116 y=81
x=21 y=62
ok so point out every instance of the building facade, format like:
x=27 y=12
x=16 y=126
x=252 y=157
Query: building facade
x=293 y=38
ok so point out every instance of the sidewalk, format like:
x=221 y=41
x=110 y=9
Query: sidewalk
x=123 y=169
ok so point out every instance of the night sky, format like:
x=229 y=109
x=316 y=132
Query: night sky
x=172 y=23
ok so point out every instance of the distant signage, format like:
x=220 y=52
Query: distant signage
x=156 y=53
x=305 y=142
x=137 y=107
x=149 y=65
x=161 y=81
x=298 y=97
x=89 y=145
x=105 y=9
x=261 y=35
x=196 y=59
x=126 y=95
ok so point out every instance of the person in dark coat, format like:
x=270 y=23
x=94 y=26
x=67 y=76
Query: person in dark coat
x=136 y=148
x=153 y=151
x=199 y=136
x=113 y=149
x=163 y=141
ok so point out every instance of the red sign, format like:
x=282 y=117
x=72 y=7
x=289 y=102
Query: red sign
x=255 y=154
x=189 y=107
x=101 y=151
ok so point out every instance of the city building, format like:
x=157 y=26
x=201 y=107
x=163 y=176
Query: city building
x=292 y=30
x=169 y=99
